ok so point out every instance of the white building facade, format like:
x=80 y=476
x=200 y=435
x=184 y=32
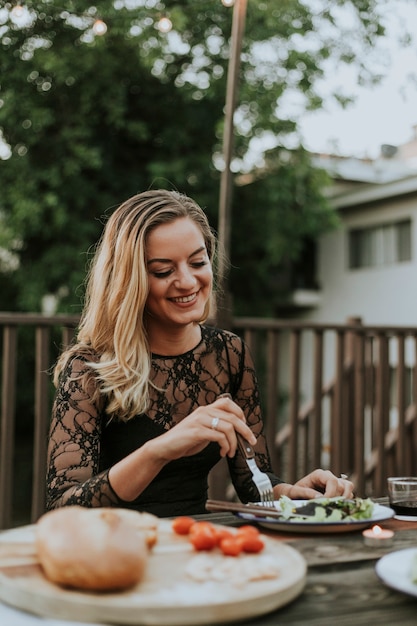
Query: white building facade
x=367 y=268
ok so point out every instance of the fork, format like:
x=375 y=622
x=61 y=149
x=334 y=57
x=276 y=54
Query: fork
x=261 y=480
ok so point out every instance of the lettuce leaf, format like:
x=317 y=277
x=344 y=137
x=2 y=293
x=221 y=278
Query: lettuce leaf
x=327 y=509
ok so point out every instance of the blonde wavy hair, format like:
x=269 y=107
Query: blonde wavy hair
x=112 y=323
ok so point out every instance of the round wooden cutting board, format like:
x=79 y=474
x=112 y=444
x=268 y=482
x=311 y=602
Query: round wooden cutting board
x=170 y=594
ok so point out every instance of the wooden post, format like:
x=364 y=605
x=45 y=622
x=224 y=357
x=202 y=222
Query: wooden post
x=224 y=221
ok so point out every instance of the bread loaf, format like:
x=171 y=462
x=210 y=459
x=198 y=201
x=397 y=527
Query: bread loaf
x=93 y=549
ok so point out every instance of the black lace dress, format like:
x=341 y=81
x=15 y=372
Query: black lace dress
x=84 y=443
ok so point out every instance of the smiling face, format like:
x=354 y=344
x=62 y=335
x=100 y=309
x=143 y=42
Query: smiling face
x=180 y=274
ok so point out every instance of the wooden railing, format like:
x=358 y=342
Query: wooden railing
x=335 y=396
x=23 y=435
x=338 y=396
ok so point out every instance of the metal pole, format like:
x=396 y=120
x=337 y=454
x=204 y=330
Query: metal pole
x=224 y=225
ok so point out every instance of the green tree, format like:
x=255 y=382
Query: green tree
x=89 y=120
x=284 y=212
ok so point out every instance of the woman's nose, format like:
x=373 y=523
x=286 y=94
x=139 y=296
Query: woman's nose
x=185 y=278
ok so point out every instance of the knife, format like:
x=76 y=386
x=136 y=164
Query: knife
x=239 y=507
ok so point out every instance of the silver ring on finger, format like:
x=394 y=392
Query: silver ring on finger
x=214 y=423
x=344 y=476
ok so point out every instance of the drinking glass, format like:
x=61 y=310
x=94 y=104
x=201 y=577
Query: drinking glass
x=402 y=493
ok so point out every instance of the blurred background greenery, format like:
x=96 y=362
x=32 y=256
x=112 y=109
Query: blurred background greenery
x=88 y=120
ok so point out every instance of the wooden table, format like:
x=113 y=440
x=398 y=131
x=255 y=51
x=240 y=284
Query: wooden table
x=342 y=587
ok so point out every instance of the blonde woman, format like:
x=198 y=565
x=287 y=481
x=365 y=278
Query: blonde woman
x=138 y=393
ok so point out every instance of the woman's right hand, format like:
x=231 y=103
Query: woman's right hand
x=217 y=422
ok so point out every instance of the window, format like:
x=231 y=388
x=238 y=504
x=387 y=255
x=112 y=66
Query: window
x=384 y=244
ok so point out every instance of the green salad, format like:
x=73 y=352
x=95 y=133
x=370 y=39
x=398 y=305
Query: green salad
x=326 y=509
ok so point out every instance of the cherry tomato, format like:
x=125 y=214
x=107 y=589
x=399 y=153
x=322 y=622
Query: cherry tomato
x=223 y=533
x=251 y=543
x=203 y=540
x=200 y=526
x=247 y=529
x=181 y=525
x=203 y=536
x=231 y=546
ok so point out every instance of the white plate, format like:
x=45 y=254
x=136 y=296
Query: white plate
x=380 y=514
x=406 y=518
x=394 y=570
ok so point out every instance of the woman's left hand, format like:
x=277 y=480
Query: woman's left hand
x=318 y=484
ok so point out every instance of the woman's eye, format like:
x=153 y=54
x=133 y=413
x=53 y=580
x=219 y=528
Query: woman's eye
x=163 y=274
x=166 y=273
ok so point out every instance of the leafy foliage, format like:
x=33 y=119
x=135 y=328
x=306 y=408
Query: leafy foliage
x=287 y=211
x=91 y=120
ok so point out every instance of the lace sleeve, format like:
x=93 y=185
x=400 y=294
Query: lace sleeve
x=246 y=394
x=73 y=474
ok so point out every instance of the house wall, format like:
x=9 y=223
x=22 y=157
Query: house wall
x=384 y=295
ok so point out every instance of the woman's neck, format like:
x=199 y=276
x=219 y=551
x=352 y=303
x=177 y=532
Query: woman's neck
x=170 y=342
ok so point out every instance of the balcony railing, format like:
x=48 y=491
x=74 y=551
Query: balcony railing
x=339 y=396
